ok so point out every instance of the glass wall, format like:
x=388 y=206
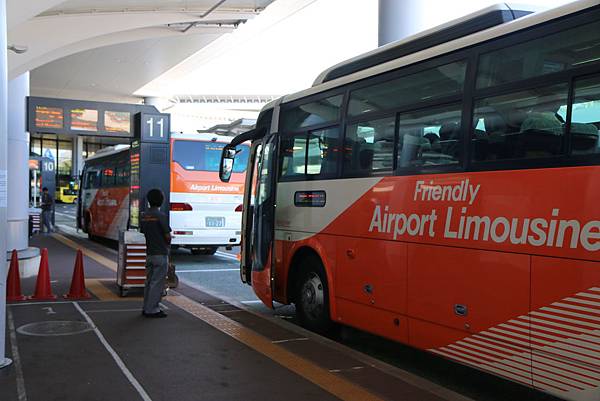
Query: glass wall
x=64 y=163
x=60 y=149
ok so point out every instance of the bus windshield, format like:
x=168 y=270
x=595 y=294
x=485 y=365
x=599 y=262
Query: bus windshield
x=206 y=156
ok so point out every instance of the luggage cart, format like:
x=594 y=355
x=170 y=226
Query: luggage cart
x=131 y=271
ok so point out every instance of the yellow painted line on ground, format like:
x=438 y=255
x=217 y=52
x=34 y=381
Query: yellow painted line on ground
x=106 y=262
x=328 y=381
x=104 y=293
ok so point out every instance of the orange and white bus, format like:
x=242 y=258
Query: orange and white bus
x=205 y=212
x=442 y=191
x=103 y=203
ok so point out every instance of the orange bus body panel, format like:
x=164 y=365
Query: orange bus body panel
x=497 y=270
x=109 y=211
x=261 y=283
x=205 y=182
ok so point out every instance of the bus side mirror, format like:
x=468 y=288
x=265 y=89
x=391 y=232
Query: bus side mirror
x=226 y=168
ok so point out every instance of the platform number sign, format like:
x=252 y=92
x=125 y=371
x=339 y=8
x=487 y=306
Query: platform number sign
x=47 y=165
x=155 y=127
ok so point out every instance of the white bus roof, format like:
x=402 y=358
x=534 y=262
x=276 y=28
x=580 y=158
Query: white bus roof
x=438 y=49
x=108 y=151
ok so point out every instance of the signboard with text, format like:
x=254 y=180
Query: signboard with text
x=79 y=117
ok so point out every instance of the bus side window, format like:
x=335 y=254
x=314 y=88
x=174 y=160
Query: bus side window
x=585 y=119
x=91 y=179
x=521 y=125
x=108 y=177
x=293 y=157
x=317 y=112
x=430 y=137
x=323 y=151
x=369 y=147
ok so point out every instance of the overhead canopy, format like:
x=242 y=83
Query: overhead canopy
x=106 y=50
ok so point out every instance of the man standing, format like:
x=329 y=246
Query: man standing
x=47 y=208
x=155 y=226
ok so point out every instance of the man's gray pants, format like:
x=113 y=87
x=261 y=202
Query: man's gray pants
x=47 y=221
x=156 y=274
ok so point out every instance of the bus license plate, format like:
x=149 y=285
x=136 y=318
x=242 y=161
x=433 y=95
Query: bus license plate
x=215 y=222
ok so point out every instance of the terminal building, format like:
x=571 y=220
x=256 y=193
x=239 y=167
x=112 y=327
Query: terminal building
x=419 y=221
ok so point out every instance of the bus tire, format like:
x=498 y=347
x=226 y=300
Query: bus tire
x=211 y=250
x=88 y=227
x=312 y=296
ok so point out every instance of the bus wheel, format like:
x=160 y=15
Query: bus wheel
x=312 y=298
x=87 y=229
x=211 y=250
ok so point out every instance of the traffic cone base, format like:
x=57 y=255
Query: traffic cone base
x=13 y=281
x=50 y=297
x=83 y=296
x=77 y=290
x=43 y=289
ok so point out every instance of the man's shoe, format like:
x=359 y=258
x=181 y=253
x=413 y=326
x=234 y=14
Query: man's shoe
x=156 y=315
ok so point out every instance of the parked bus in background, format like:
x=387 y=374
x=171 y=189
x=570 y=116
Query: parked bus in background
x=205 y=212
x=67 y=193
x=103 y=207
x=453 y=205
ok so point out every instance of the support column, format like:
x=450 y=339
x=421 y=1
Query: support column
x=18 y=158
x=3 y=188
x=155 y=101
x=400 y=19
x=77 y=157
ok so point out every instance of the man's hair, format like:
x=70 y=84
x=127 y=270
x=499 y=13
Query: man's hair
x=155 y=197
x=44 y=189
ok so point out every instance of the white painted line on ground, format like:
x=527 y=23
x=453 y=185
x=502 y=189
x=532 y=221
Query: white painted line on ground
x=290 y=340
x=354 y=368
x=65 y=215
x=47 y=303
x=226 y=255
x=21 y=393
x=113 y=310
x=71 y=231
x=207 y=270
x=115 y=356
x=253 y=301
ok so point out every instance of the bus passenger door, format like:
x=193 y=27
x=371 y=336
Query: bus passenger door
x=263 y=222
x=247 y=212
x=79 y=201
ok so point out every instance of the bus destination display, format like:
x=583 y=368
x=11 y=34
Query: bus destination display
x=48 y=117
x=117 y=121
x=80 y=117
x=84 y=120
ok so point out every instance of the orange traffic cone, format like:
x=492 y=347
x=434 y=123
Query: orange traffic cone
x=13 y=287
x=43 y=289
x=77 y=290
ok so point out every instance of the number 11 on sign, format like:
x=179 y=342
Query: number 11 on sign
x=159 y=122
